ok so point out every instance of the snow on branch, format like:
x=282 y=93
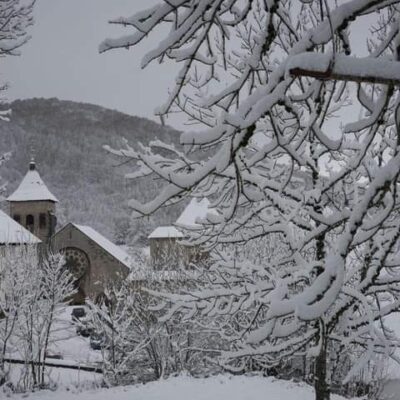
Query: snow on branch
x=345 y=68
x=303 y=250
x=15 y=18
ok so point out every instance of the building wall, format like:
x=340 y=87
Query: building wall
x=170 y=253
x=22 y=209
x=103 y=267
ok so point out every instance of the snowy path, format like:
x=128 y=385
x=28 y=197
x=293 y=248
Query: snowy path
x=186 y=388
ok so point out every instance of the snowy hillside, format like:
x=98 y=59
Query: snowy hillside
x=186 y=388
x=68 y=138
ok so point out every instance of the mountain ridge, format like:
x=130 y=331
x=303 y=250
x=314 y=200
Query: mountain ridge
x=68 y=138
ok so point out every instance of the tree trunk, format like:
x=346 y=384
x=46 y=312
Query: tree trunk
x=321 y=386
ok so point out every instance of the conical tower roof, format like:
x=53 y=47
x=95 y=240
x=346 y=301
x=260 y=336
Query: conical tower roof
x=32 y=188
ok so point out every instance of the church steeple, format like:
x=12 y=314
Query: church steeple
x=33 y=205
x=32 y=165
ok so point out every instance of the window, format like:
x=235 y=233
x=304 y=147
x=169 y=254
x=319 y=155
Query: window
x=30 y=222
x=42 y=221
x=17 y=218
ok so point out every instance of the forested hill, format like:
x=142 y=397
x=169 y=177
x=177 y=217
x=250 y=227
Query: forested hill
x=68 y=139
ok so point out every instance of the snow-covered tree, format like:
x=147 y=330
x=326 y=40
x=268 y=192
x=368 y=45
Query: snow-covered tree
x=58 y=287
x=114 y=319
x=268 y=81
x=136 y=345
x=14 y=274
x=48 y=290
x=15 y=18
x=34 y=291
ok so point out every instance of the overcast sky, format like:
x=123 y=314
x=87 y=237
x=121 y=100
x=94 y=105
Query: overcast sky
x=62 y=59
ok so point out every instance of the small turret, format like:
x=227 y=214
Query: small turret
x=33 y=205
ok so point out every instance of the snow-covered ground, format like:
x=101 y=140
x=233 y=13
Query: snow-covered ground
x=66 y=380
x=73 y=348
x=186 y=388
x=65 y=342
x=81 y=385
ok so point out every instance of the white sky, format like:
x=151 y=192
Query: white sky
x=62 y=60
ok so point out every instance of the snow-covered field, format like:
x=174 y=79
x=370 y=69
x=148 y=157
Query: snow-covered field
x=187 y=388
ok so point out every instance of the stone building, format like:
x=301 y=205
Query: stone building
x=167 y=243
x=34 y=206
x=166 y=248
x=92 y=258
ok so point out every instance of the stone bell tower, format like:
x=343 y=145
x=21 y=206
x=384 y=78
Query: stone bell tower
x=33 y=205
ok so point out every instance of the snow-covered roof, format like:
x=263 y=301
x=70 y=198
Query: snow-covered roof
x=32 y=188
x=106 y=244
x=165 y=232
x=11 y=232
x=195 y=210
